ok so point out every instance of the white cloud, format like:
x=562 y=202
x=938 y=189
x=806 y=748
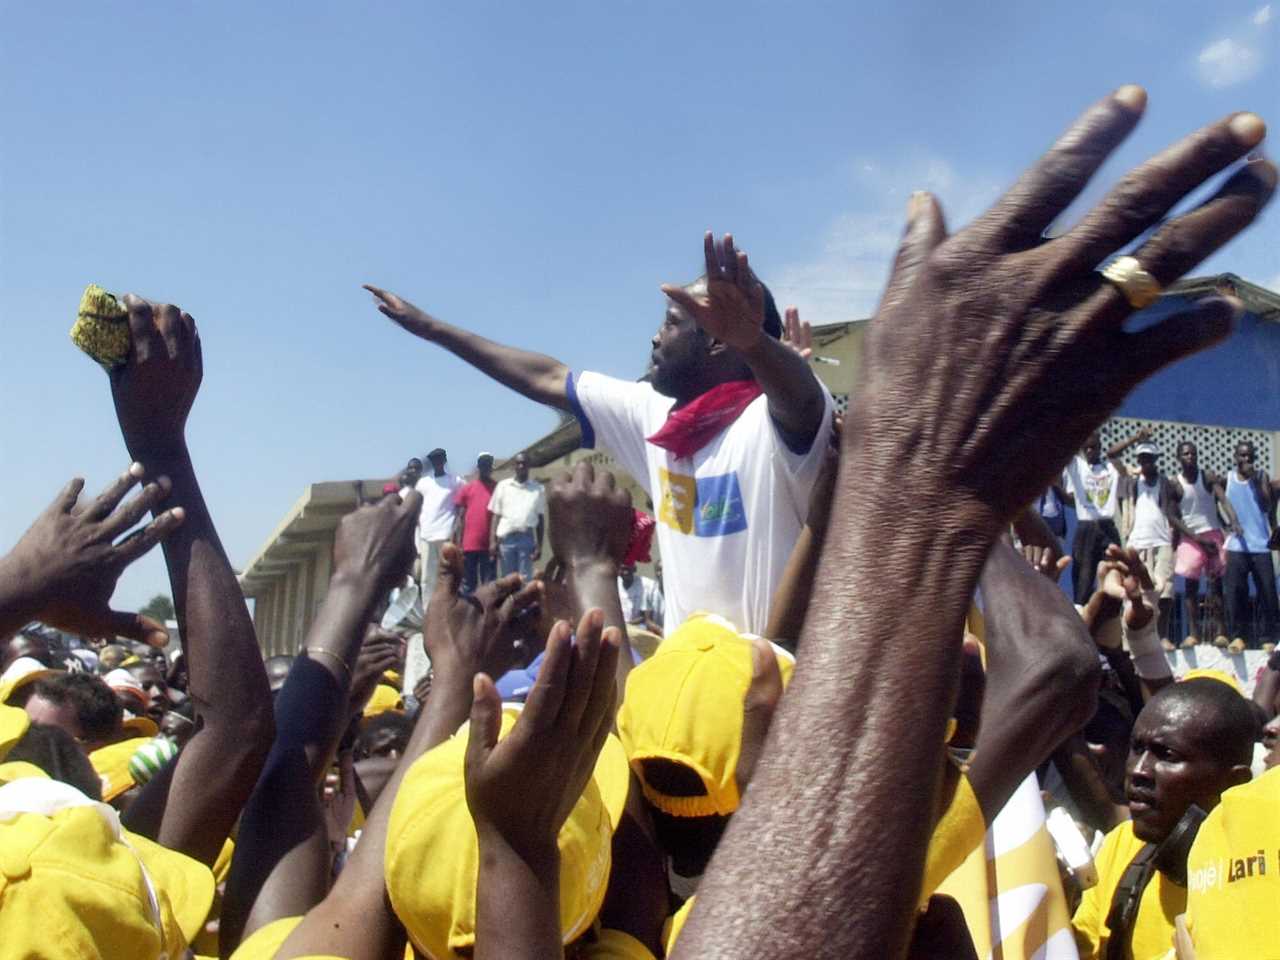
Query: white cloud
x=1239 y=54
x=845 y=277
x=1226 y=62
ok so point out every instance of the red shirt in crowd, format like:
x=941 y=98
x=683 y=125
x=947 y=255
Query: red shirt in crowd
x=474 y=497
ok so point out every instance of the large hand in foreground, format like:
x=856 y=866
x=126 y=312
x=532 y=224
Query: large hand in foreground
x=590 y=517
x=154 y=389
x=483 y=633
x=522 y=789
x=732 y=307
x=66 y=566
x=998 y=350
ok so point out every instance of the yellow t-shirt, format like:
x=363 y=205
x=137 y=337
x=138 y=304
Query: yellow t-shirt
x=1233 y=874
x=1161 y=902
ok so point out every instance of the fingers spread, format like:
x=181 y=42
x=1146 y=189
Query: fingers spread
x=138 y=507
x=1018 y=220
x=926 y=229
x=1152 y=189
x=114 y=493
x=66 y=499
x=136 y=544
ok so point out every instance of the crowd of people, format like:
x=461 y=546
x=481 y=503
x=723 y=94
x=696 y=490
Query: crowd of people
x=791 y=740
x=1204 y=527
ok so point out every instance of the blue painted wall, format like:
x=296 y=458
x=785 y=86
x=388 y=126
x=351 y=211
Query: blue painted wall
x=1236 y=384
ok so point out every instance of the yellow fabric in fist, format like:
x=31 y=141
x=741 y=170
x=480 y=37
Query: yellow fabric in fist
x=102 y=327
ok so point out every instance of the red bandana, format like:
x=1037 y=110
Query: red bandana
x=694 y=425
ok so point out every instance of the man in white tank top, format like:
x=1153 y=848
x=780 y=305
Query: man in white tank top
x=1202 y=545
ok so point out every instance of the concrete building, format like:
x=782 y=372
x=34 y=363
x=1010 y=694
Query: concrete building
x=1215 y=399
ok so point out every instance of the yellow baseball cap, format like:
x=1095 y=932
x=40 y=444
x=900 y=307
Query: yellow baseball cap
x=1212 y=673
x=23 y=672
x=65 y=860
x=432 y=854
x=1233 y=885
x=111 y=763
x=685 y=704
x=384 y=698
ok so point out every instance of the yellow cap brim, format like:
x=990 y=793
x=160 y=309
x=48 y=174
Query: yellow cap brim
x=186 y=882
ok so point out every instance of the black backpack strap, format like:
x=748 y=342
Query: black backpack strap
x=1126 y=900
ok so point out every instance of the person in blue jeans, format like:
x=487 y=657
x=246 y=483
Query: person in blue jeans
x=1253 y=498
x=517 y=519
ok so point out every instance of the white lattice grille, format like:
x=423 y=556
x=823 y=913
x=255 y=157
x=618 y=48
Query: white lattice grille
x=1216 y=445
x=842 y=402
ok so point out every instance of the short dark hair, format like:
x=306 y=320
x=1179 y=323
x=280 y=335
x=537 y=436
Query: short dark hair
x=56 y=752
x=98 y=710
x=1247 y=443
x=1231 y=726
x=391 y=720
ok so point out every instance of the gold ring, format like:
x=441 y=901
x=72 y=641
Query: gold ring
x=1139 y=287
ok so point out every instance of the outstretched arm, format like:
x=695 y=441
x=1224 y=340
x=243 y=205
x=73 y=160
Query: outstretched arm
x=533 y=375
x=193 y=808
x=732 y=310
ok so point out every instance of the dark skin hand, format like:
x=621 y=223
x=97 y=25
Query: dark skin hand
x=283 y=857
x=153 y=393
x=64 y=569
x=965 y=358
x=590 y=531
x=731 y=312
x=464 y=636
x=520 y=790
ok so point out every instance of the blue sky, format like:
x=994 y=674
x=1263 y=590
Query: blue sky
x=532 y=171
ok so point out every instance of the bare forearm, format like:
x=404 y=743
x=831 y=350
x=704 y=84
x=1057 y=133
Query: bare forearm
x=226 y=680
x=595 y=585
x=795 y=396
x=534 y=375
x=517 y=903
x=1267 y=692
x=824 y=761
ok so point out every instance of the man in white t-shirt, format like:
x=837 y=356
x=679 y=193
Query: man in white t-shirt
x=436 y=521
x=1151 y=515
x=738 y=423
x=517 y=520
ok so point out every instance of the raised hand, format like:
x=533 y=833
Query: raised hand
x=65 y=567
x=486 y=632
x=522 y=789
x=731 y=308
x=380 y=651
x=1123 y=577
x=797 y=333
x=590 y=518
x=978 y=331
x=404 y=313
x=155 y=388
x=374 y=544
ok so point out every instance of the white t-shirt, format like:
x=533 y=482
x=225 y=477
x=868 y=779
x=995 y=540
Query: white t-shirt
x=517 y=505
x=1094 y=487
x=729 y=516
x=435 y=522
x=1150 y=525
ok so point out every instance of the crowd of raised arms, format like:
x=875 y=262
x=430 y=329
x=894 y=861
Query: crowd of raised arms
x=799 y=739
